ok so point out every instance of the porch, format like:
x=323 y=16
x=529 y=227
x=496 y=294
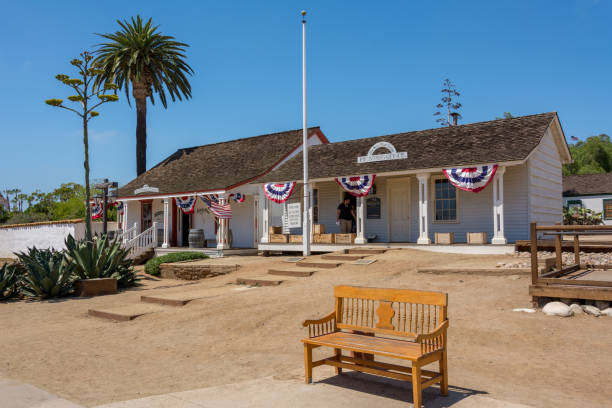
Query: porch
x=465 y=249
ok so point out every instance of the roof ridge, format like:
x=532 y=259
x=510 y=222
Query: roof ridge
x=245 y=138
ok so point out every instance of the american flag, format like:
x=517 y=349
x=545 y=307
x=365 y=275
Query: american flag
x=575 y=139
x=219 y=210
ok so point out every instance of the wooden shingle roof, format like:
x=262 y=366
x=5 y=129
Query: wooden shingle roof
x=218 y=166
x=496 y=141
x=587 y=184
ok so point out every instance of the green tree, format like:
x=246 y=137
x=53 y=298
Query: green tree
x=594 y=155
x=507 y=115
x=89 y=95
x=448 y=103
x=140 y=55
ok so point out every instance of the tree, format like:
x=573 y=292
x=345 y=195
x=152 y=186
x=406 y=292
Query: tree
x=89 y=95
x=507 y=115
x=594 y=155
x=152 y=63
x=452 y=108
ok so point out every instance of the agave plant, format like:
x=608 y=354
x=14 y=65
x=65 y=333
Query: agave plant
x=47 y=273
x=9 y=277
x=100 y=258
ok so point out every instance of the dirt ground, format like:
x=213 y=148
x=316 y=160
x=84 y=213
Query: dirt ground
x=239 y=335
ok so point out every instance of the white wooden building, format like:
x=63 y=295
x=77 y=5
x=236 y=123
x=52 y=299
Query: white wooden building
x=591 y=191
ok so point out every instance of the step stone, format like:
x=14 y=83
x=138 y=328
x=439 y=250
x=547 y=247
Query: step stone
x=289 y=272
x=366 y=251
x=124 y=314
x=258 y=282
x=315 y=264
x=338 y=257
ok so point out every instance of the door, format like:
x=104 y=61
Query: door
x=146 y=215
x=399 y=210
x=185 y=225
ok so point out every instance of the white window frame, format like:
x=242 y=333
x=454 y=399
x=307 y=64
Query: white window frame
x=432 y=206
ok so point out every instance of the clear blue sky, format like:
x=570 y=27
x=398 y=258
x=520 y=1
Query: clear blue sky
x=374 y=68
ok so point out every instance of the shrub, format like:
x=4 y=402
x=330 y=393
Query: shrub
x=100 y=258
x=10 y=275
x=581 y=216
x=152 y=265
x=47 y=273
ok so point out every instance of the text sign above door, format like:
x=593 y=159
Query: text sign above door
x=392 y=155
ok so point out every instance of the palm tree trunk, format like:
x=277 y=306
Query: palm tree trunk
x=140 y=92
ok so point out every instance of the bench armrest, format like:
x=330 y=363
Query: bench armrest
x=434 y=340
x=324 y=325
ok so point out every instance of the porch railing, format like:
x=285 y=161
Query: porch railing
x=144 y=240
x=129 y=233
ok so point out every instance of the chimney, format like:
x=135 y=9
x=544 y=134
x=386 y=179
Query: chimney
x=455 y=116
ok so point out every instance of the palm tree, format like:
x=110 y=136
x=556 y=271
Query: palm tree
x=153 y=63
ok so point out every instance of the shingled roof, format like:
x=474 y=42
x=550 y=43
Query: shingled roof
x=587 y=184
x=495 y=141
x=218 y=166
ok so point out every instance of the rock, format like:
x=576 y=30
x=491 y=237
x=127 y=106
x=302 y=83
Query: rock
x=524 y=309
x=602 y=304
x=607 y=312
x=576 y=309
x=591 y=310
x=557 y=309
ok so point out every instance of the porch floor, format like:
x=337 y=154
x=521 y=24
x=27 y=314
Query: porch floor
x=212 y=252
x=450 y=249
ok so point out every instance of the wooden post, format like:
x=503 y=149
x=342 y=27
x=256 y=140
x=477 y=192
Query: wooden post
x=558 y=251
x=534 y=253
x=576 y=250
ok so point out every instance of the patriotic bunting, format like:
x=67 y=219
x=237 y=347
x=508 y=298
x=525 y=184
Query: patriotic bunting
x=359 y=186
x=119 y=205
x=96 y=210
x=471 y=178
x=219 y=210
x=186 y=204
x=279 y=192
x=237 y=197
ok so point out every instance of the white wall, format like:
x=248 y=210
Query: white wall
x=545 y=183
x=592 y=202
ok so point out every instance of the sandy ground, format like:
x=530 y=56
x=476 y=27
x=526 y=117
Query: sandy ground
x=240 y=335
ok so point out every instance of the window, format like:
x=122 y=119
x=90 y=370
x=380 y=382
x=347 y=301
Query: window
x=445 y=201
x=315 y=206
x=574 y=204
x=607 y=209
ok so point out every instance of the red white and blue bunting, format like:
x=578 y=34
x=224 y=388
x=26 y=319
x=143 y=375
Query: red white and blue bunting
x=279 y=192
x=359 y=186
x=186 y=204
x=96 y=210
x=471 y=178
x=237 y=197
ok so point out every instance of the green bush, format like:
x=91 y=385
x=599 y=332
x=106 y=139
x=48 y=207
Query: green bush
x=47 y=273
x=10 y=275
x=581 y=216
x=100 y=258
x=152 y=265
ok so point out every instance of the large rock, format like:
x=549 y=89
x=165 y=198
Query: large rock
x=576 y=309
x=591 y=310
x=557 y=309
x=607 y=312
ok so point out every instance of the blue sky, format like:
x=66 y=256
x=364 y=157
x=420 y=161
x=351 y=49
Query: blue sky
x=374 y=68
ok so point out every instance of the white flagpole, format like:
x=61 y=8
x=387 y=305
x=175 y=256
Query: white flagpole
x=305 y=223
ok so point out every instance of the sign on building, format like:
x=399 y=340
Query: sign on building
x=391 y=155
x=294 y=215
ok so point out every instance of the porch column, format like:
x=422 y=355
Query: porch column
x=265 y=218
x=498 y=208
x=310 y=213
x=222 y=232
x=124 y=225
x=166 y=222
x=360 y=223
x=423 y=209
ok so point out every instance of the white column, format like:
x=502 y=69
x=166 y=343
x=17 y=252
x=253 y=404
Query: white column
x=360 y=223
x=222 y=232
x=166 y=223
x=423 y=209
x=124 y=227
x=498 y=208
x=265 y=218
x=154 y=235
x=310 y=213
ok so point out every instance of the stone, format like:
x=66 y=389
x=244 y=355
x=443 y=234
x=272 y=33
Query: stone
x=524 y=309
x=557 y=309
x=602 y=304
x=591 y=310
x=576 y=309
x=607 y=312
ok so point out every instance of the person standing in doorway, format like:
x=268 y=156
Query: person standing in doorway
x=346 y=215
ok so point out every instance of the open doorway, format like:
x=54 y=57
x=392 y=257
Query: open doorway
x=353 y=204
x=185 y=226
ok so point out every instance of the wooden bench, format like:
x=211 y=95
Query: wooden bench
x=416 y=320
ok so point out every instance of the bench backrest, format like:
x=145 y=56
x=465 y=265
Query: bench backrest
x=400 y=312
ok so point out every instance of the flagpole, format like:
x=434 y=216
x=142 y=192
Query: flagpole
x=305 y=224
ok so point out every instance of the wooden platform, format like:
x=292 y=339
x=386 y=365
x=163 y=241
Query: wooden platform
x=299 y=273
x=567 y=246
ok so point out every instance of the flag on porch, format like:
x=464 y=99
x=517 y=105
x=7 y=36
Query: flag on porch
x=279 y=192
x=472 y=179
x=237 y=197
x=219 y=210
x=359 y=186
x=96 y=210
x=186 y=204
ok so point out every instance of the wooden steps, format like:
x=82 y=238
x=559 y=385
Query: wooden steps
x=366 y=251
x=318 y=264
x=125 y=313
x=342 y=257
x=304 y=273
x=263 y=281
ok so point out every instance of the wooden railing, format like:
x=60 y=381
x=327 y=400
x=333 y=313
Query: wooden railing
x=129 y=233
x=144 y=240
